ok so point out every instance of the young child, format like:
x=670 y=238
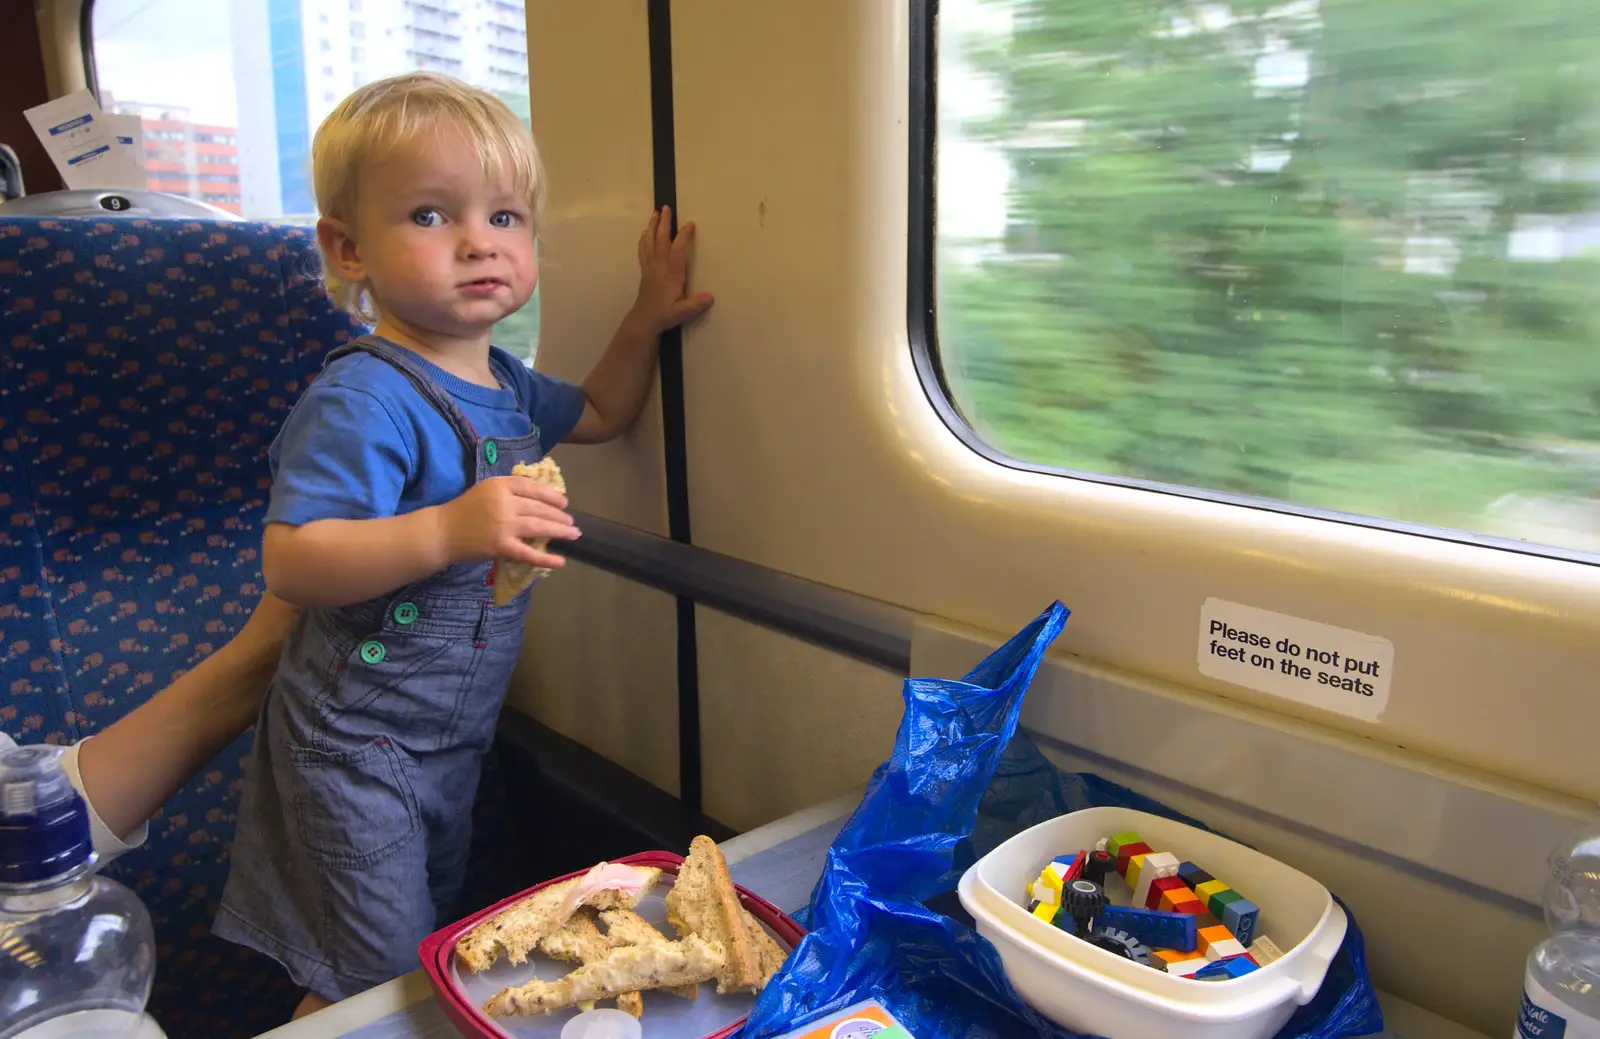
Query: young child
x=392 y=498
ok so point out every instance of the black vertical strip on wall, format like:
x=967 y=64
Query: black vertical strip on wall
x=663 y=149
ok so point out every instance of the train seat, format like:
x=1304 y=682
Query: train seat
x=147 y=364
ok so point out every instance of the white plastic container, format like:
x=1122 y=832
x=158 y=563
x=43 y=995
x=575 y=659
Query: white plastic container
x=1090 y=990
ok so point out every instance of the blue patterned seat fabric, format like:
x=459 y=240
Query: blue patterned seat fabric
x=145 y=366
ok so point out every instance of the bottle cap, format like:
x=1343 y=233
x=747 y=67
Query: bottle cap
x=602 y=1024
x=44 y=823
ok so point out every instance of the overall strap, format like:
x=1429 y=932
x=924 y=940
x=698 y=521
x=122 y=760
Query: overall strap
x=407 y=365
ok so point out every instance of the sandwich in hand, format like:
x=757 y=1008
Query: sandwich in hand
x=512 y=578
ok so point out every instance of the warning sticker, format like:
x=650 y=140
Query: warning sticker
x=1316 y=664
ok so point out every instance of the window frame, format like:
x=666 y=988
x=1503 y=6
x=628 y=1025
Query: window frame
x=91 y=69
x=922 y=326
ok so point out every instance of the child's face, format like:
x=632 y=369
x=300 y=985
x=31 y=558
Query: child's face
x=444 y=248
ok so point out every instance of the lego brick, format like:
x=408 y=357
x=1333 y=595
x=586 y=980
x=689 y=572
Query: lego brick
x=1158 y=887
x=1127 y=852
x=1224 y=949
x=1103 y=844
x=1168 y=864
x=1221 y=900
x=1045 y=912
x=1240 y=917
x=1210 y=888
x=1067 y=867
x=1155 y=929
x=1173 y=961
x=1207 y=920
x=1193 y=875
x=1131 y=874
x=1264 y=951
x=1166 y=956
x=1192 y=906
x=1225 y=970
x=1155 y=866
x=1117 y=840
x=1207 y=937
x=1039 y=891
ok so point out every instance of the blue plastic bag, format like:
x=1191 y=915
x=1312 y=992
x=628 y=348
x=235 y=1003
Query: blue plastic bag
x=961 y=780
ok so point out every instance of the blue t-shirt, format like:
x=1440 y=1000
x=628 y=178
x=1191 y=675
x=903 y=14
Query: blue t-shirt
x=362 y=443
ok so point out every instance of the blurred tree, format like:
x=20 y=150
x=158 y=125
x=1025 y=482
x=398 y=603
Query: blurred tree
x=1276 y=248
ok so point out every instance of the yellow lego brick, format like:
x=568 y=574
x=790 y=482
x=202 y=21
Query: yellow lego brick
x=1135 y=864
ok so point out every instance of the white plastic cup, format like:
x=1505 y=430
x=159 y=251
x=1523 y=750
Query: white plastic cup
x=602 y=1024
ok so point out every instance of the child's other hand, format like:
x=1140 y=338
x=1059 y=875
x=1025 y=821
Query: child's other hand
x=493 y=519
x=664 y=274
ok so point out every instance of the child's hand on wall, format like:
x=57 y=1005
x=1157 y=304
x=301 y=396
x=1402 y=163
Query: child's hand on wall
x=664 y=275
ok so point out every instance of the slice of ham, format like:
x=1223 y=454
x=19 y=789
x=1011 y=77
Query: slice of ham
x=607 y=876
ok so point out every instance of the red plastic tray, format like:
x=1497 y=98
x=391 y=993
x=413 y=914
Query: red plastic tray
x=438 y=948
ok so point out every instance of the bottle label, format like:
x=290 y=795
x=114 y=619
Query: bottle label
x=1543 y=1016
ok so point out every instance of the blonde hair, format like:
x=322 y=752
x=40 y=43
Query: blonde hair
x=388 y=114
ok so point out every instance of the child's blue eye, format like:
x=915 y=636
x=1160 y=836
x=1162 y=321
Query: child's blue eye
x=425 y=217
x=504 y=218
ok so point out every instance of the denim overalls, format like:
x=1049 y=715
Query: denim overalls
x=356 y=815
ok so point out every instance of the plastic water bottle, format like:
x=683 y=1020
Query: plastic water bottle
x=77 y=953
x=1561 y=990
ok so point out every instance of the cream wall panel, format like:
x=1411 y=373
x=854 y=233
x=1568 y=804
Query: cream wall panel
x=600 y=663
x=589 y=80
x=813 y=448
x=600 y=666
x=785 y=724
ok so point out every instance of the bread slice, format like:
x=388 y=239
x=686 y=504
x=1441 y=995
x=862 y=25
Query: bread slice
x=580 y=942
x=633 y=968
x=703 y=902
x=625 y=927
x=768 y=952
x=518 y=930
x=512 y=578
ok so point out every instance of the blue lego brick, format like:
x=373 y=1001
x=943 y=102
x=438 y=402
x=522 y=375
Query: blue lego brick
x=1224 y=970
x=1070 y=865
x=1154 y=928
x=1193 y=876
x=1240 y=917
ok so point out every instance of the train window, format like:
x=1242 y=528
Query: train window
x=231 y=122
x=1340 y=255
